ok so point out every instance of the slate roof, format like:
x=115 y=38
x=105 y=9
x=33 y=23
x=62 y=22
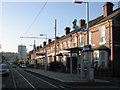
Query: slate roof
x=93 y=22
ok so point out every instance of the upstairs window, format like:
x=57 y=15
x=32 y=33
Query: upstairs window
x=89 y=37
x=102 y=35
x=60 y=47
x=68 y=44
x=64 y=45
x=75 y=42
x=80 y=40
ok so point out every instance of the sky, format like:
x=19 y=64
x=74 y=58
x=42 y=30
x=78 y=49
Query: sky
x=21 y=19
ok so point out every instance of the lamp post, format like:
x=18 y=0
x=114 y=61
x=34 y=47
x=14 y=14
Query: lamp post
x=34 y=55
x=55 y=42
x=89 y=56
x=45 y=53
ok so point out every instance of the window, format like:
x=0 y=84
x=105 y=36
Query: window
x=75 y=42
x=64 y=45
x=68 y=44
x=57 y=48
x=102 y=35
x=89 y=37
x=96 y=58
x=48 y=51
x=51 y=49
x=60 y=47
x=103 y=59
x=80 y=40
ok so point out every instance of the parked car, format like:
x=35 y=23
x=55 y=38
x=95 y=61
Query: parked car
x=4 y=69
x=14 y=65
x=23 y=65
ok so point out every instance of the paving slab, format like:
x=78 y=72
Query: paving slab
x=65 y=77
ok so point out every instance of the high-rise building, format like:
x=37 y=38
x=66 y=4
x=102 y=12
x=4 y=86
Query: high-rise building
x=119 y=4
x=22 y=51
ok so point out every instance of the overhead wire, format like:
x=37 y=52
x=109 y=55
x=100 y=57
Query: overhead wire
x=36 y=17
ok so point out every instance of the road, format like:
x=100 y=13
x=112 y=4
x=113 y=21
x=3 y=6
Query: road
x=19 y=79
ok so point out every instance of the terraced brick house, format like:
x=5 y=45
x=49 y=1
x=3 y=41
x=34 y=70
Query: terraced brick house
x=104 y=37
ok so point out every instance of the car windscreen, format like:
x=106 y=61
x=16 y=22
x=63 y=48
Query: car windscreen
x=4 y=66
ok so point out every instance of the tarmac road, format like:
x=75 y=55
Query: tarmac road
x=19 y=79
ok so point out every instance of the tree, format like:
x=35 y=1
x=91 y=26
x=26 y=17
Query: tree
x=20 y=61
x=14 y=61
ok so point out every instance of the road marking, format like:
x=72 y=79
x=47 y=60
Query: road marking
x=42 y=80
x=13 y=79
x=26 y=80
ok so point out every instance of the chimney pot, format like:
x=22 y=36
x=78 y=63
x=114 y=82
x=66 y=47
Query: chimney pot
x=67 y=30
x=44 y=43
x=81 y=23
x=49 y=41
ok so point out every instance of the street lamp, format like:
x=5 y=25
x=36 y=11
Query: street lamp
x=34 y=55
x=89 y=56
x=45 y=53
x=87 y=15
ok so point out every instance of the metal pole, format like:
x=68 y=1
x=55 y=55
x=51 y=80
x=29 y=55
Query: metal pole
x=46 y=57
x=55 y=42
x=34 y=54
x=71 y=62
x=87 y=7
x=46 y=61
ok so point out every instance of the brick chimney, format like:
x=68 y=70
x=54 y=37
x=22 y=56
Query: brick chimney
x=44 y=43
x=67 y=30
x=108 y=8
x=49 y=41
x=81 y=23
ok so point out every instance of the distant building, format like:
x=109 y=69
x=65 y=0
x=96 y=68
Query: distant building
x=119 y=4
x=22 y=52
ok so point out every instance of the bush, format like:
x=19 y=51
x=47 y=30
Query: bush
x=57 y=66
x=31 y=65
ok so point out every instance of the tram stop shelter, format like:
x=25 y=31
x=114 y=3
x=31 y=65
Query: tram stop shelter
x=80 y=60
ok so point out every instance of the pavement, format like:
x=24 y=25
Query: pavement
x=68 y=78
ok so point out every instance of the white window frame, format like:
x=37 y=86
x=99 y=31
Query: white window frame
x=61 y=47
x=68 y=44
x=82 y=38
x=75 y=41
x=102 y=35
x=64 y=45
x=89 y=37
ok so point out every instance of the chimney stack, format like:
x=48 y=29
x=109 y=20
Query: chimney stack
x=49 y=41
x=81 y=23
x=67 y=30
x=44 y=43
x=108 y=8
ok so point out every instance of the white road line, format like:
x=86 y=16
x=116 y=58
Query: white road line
x=13 y=79
x=42 y=80
x=26 y=80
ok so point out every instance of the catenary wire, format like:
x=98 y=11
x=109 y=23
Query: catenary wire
x=36 y=17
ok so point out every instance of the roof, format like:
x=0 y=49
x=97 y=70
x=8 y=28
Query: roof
x=75 y=49
x=102 y=48
x=93 y=22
